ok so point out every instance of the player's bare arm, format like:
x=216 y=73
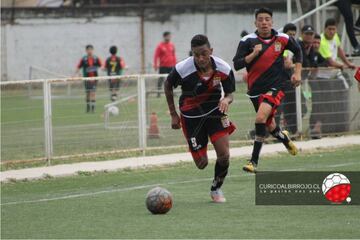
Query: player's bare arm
x=296 y=77
x=225 y=102
x=169 y=93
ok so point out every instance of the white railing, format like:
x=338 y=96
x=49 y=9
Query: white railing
x=49 y=124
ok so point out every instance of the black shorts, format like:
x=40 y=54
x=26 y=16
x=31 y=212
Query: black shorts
x=198 y=130
x=273 y=98
x=114 y=84
x=90 y=86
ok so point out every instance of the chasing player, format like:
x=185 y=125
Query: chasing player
x=262 y=55
x=114 y=65
x=203 y=78
x=89 y=64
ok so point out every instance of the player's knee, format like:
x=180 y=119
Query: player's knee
x=223 y=159
x=260 y=118
x=201 y=163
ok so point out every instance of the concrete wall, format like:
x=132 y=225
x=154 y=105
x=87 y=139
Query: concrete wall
x=58 y=44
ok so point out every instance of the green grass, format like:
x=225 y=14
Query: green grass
x=75 y=132
x=113 y=208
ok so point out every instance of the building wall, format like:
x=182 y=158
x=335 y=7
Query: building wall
x=57 y=44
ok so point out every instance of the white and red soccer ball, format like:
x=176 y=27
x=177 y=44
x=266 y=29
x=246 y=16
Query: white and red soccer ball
x=336 y=187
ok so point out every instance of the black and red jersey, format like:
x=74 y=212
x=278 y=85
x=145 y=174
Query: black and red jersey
x=200 y=96
x=114 y=65
x=90 y=65
x=265 y=71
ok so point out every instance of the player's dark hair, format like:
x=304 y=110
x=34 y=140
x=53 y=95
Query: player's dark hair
x=289 y=27
x=317 y=36
x=330 y=22
x=89 y=46
x=199 y=40
x=113 y=50
x=243 y=33
x=263 y=10
x=167 y=33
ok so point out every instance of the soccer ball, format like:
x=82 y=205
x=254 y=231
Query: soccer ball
x=336 y=187
x=113 y=110
x=159 y=200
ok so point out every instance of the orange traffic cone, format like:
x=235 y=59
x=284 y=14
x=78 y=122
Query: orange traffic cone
x=154 y=131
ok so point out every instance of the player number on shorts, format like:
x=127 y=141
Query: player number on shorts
x=193 y=142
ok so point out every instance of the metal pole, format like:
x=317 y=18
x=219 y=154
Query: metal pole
x=317 y=16
x=47 y=121
x=298 y=109
x=206 y=18
x=30 y=85
x=142 y=39
x=142 y=113
x=289 y=10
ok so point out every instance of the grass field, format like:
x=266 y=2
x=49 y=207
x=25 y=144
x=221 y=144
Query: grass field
x=75 y=132
x=112 y=205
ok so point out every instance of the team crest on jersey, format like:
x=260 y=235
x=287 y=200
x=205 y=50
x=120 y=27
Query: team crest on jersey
x=216 y=81
x=277 y=46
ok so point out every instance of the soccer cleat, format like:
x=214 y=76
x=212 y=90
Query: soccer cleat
x=250 y=167
x=290 y=146
x=217 y=196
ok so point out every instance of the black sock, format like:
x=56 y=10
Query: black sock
x=280 y=136
x=87 y=106
x=92 y=105
x=221 y=170
x=260 y=132
x=113 y=97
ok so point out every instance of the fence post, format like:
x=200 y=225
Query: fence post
x=298 y=110
x=48 y=121
x=142 y=113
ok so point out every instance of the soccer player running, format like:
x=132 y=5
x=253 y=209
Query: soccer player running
x=89 y=64
x=207 y=83
x=114 y=65
x=262 y=55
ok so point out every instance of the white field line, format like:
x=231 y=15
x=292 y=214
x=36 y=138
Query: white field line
x=140 y=187
x=141 y=162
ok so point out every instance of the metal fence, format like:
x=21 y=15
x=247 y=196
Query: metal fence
x=46 y=118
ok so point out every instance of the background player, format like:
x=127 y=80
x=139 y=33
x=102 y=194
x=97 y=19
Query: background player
x=114 y=65
x=164 y=58
x=203 y=78
x=262 y=55
x=89 y=64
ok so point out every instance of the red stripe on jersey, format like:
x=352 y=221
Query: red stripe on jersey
x=195 y=102
x=212 y=83
x=266 y=60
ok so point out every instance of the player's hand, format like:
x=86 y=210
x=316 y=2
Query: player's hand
x=175 y=121
x=351 y=65
x=224 y=105
x=257 y=49
x=296 y=79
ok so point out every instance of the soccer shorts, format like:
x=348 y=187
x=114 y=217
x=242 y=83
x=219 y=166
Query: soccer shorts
x=90 y=86
x=198 y=130
x=273 y=98
x=114 y=84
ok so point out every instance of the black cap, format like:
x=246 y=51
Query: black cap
x=307 y=29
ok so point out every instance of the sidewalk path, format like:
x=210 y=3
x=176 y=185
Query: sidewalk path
x=138 y=162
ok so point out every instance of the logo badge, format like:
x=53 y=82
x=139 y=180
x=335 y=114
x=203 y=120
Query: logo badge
x=277 y=46
x=216 y=81
x=225 y=121
x=336 y=188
